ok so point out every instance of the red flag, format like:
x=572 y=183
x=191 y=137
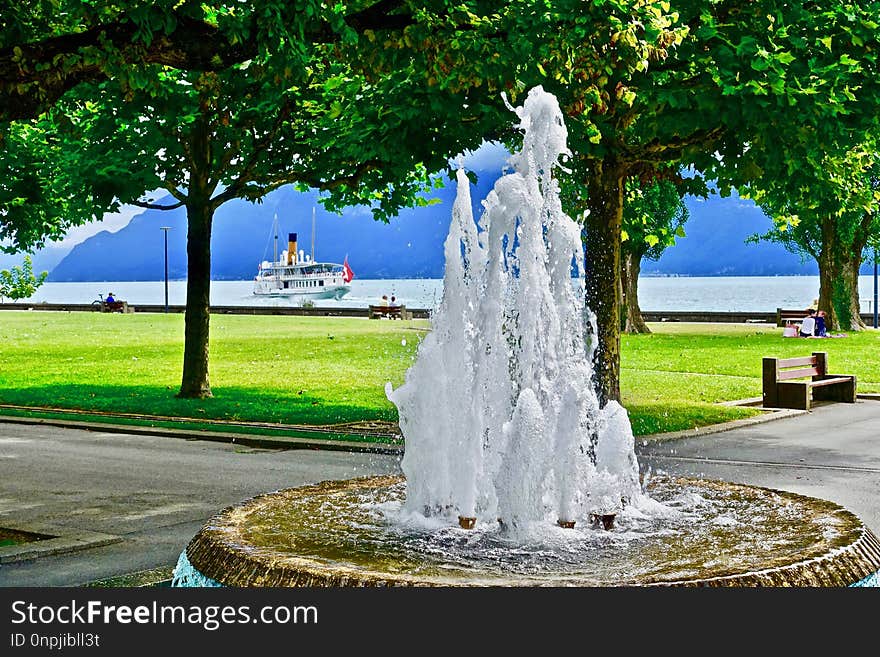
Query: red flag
x=347 y=273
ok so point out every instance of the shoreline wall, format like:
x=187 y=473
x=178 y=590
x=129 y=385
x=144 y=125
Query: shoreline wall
x=768 y=317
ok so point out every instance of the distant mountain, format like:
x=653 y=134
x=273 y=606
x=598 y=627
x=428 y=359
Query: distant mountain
x=410 y=246
x=715 y=244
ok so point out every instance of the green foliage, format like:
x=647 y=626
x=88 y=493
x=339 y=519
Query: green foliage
x=654 y=215
x=843 y=188
x=50 y=46
x=830 y=213
x=295 y=115
x=20 y=281
x=765 y=85
x=39 y=200
x=743 y=92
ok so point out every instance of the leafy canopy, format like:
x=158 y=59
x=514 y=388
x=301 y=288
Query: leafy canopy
x=654 y=215
x=298 y=113
x=20 y=281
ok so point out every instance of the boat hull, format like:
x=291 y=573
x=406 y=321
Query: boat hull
x=333 y=293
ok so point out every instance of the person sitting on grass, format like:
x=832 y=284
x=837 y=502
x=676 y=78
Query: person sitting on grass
x=808 y=326
x=821 y=330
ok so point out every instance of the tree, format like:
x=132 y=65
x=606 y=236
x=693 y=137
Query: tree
x=653 y=216
x=587 y=54
x=832 y=216
x=298 y=115
x=20 y=282
x=738 y=90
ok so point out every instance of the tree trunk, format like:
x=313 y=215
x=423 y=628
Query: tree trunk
x=194 y=383
x=199 y=216
x=602 y=230
x=634 y=322
x=839 y=265
x=850 y=273
x=828 y=272
x=860 y=240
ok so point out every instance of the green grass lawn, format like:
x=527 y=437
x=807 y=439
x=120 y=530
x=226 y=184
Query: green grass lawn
x=295 y=370
x=317 y=370
x=674 y=376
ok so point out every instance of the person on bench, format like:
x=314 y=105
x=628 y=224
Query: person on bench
x=808 y=326
x=110 y=298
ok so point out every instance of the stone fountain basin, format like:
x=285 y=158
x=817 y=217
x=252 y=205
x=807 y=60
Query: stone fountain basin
x=694 y=533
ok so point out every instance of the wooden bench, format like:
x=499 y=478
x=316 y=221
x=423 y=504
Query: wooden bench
x=780 y=391
x=391 y=312
x=116 y=307
x=785 y=315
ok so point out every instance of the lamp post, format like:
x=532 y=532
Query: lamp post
x=165 y=230
x=875 y=288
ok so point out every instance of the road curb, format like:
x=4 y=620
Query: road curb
x=289 y=442
x=767 y=415
x=56 y=539
x=248 y=440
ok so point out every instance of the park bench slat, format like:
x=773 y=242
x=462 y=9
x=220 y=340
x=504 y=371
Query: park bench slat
x=798 y=374
x=391 y=312
x=830 y=381
x=795 y=362
x=784 y=315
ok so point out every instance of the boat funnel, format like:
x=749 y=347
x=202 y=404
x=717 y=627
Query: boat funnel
x=291 y=248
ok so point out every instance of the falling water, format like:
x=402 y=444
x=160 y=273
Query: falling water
x=500 y=418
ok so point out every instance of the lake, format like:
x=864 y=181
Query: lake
x=711 y=294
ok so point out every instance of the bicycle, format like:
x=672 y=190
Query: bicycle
x=104 y=306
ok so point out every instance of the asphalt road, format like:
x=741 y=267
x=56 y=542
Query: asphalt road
x=155 y=493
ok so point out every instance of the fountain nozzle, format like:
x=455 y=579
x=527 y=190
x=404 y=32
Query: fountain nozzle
x=604 y=519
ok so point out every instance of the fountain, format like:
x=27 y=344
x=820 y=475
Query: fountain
x=514 y=472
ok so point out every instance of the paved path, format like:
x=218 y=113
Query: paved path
x=832 y=452
x=155 y=493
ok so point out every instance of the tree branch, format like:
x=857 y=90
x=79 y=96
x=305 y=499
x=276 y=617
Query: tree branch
x=259 y=147
x=862 y=234
x=156 y=206
x=657 y=150
x=314 y=179
x=380 y=16
x=176 y=193
x=35 y=75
